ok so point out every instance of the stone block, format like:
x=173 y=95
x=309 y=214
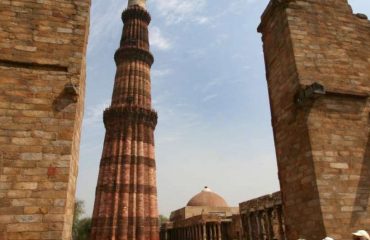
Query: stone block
x=27 y=227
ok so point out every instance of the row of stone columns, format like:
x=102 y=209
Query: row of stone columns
x=206 y=231
x=267 y=224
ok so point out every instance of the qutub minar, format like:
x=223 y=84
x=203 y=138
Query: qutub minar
x=126 y=194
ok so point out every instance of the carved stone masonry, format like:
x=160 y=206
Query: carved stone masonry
x=126 y=194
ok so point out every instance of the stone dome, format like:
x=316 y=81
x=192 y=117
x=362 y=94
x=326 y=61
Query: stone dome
x=207 y=198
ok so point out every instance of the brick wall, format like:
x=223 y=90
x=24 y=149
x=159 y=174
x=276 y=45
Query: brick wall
x=322 y=141
x=42 y=82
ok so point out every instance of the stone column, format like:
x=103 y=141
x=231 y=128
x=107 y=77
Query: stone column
x=270 y=223
x=199 y=232
x=249 y=224
x=219 y=231
x=260 y=224
x=253 y=229
x=204 y=231
x=195 y=232
x=281 y=223
x=214 y=232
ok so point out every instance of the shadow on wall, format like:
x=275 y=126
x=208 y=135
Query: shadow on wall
x=362 y=195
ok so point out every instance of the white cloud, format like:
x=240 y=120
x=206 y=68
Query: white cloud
x=157 y=40
x=159 y=73
x=209 y=97
x=94 y=114
x=202 y=19
x=176 y=11
x=105 y=21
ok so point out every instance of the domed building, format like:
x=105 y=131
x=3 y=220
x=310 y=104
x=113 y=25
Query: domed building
x=206 y=216
x=207 y=198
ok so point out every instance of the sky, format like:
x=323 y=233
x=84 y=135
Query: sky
x=210 y=92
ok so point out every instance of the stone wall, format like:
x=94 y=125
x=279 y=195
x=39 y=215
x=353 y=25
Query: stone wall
x=321 y=130
x=42 y=82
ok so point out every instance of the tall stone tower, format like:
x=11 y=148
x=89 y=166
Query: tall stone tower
x=126 y=194
x=42 y=88
x=317 y=56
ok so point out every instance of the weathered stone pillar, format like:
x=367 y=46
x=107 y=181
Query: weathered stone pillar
x=219 y=232
x=196 y=231
x=282 y=229
x=200 y=235
x=42 y=90
x=318 y=83
x=250 y=230
x=270 y=224
x=258 y=225
x=204 y=231
x=214 y=228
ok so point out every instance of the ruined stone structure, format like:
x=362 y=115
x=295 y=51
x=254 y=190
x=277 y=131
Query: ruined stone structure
x=206 y=217
x=42 y=83
x=263 y=218
x=317 y=56
x=126 y=194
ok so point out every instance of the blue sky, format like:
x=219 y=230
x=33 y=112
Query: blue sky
x=209 y=88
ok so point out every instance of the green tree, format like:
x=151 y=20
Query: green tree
x=81 y=226
x=162 y=219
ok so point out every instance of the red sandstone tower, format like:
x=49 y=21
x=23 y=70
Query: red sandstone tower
x=126 y=195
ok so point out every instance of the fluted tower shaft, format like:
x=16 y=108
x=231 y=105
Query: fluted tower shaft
x=126 y=195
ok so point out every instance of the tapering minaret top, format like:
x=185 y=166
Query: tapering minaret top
x=141 y=3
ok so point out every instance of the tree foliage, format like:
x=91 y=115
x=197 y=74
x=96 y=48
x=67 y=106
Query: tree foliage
x=81 y=226
x=162 y=219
